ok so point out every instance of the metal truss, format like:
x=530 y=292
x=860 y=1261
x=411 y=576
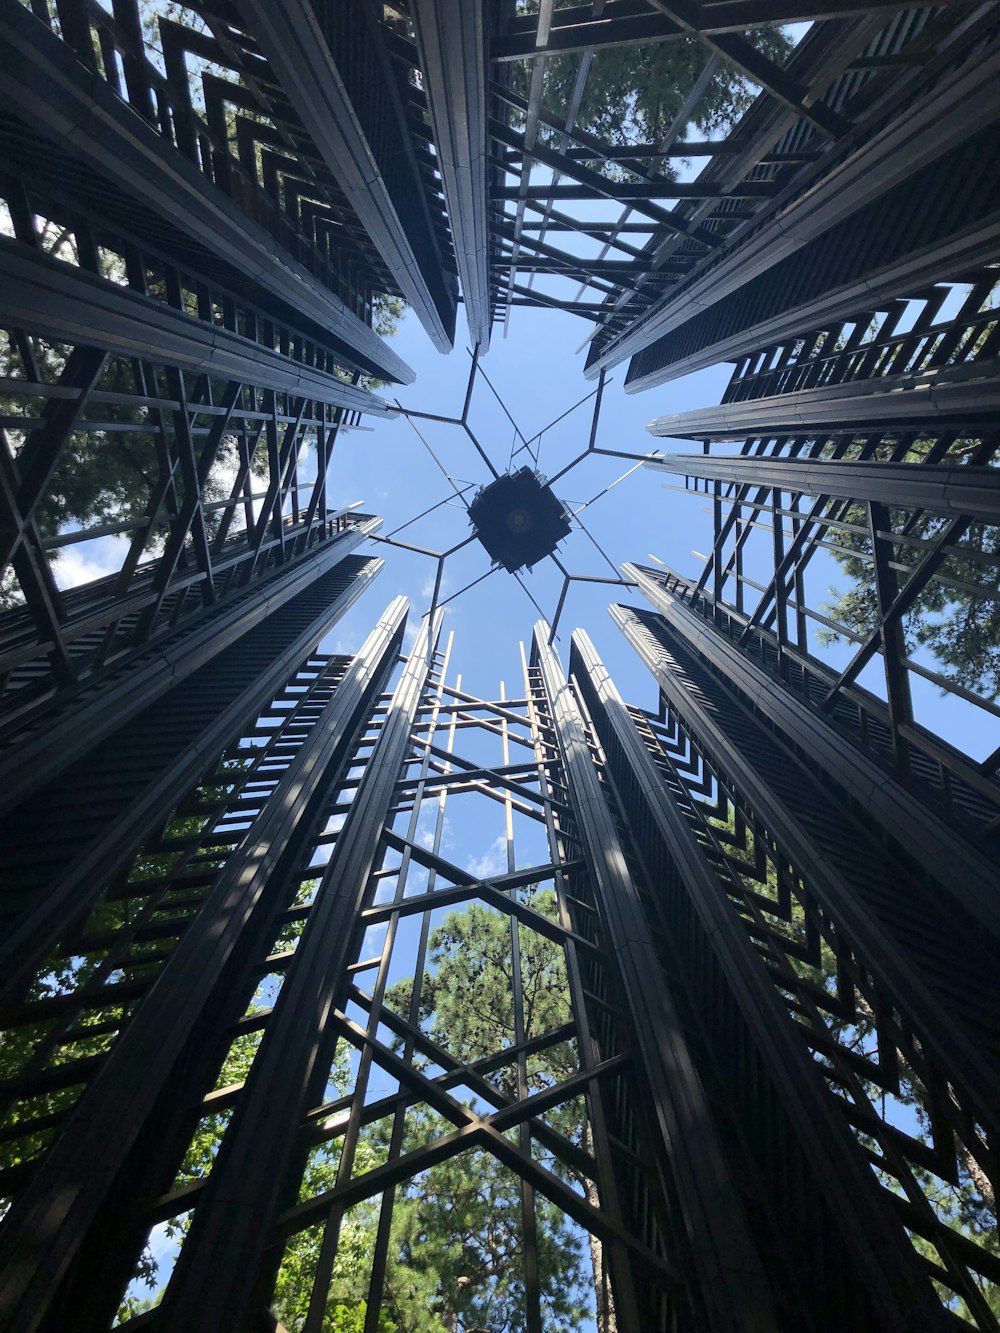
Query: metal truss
x=842 y=908
x=912 y=336
x=193 y=158
x=42 y=714
x=873 y=437
x=531 y=446
x=797 y=260
x=909 y=519
x=756 y=973
x=871 y=111
x=254 y=796
x=364 y=153
x=768 y=907
x=297 y=870
x=851 y=743
x=903 y=365
x=803 y=920
x=220 y=420
x=89 y=799
x=335 y=69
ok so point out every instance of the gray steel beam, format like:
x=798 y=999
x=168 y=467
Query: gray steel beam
x=452 y=45
x=731 y=1279
x=164 y=749
x=953 y=397
x=50 y=1222
x=242 y=1197
x=57 y=300
x=291 y=38
x=625 y=23
x=964 y=871
x=885 y=905
x=965 y=250
x=961 y=105
x=973 y=491
x=884 y=1260
x=47 y=85
x=68 y=728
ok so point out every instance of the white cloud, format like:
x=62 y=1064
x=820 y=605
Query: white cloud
x=492 y=862
x=427 y=587
x=410 y=636
x=88 y=561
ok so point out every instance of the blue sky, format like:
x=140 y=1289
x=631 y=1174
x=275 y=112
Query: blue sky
x=538 y=376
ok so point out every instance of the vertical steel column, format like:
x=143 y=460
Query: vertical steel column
x=939 y=969
x=732 y=1283
x=362 y=144
x=65 y=1200
x=77 y=831
x=773 y=1069
x=907 y=966
x=44 y=738
x=528 y=1221
x=902 y=166
x=210 y=1288
x=958 y=867
x=84 y=121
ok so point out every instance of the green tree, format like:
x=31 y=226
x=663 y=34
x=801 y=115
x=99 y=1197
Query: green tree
x=459 y=1229
x=633 y=94
x=456 y=1251
x=956 y=617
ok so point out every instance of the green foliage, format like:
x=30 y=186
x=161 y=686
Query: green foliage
x=457 y=1232
x=387 y=311
x=347 y=1303
x=466 y=998
x=634 y=93
x=958 y=625
x=456 y=1251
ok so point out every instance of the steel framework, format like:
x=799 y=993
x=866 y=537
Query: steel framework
x=298 y=851
x=873 y=440
x=766 y=1094
x=756 y=970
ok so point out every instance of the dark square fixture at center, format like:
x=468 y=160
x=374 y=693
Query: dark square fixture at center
x=518 y=519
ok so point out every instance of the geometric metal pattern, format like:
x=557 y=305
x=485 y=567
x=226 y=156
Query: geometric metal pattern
x=319 y=133
x=740 y=1068
x=518 y=519
x=321 y=925
x=194 y=163
x=907 y=492
x=252 y=798
x=87 y=800
x=741 y=998
x=813 y=889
